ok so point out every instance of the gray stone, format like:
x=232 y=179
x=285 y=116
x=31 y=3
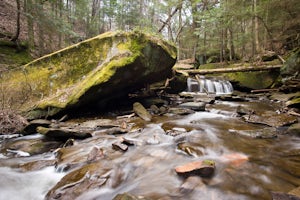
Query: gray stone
x=196 y=106
x=141 y=111
x=64 y=133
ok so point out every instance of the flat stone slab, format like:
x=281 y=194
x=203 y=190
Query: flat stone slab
x=271 y=119
x=196 y=106
x=203 y=168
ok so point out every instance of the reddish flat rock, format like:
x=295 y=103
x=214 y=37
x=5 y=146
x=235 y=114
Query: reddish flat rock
x=203 y=168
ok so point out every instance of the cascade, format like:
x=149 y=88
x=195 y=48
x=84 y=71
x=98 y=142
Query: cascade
x=201 y=84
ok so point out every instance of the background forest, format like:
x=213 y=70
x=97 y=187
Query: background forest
x=208 y=30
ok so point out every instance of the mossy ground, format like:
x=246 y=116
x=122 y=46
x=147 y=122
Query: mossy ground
x=11 y=56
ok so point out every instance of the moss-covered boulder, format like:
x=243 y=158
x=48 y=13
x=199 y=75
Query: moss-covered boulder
x=253 y=80
x=90 y=73
x=292 y=66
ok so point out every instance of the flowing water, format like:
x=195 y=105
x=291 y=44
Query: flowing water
x=16 y=185
x=246 y=167
x=206 y=85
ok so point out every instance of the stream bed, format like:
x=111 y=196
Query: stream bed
x=252 y=159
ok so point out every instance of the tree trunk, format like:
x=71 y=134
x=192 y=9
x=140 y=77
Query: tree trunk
x=232 y=50
x=178 y=33
x=168 y=19
x=230 y=70
x=29 y=11
x=16 y=36
x=256 y=28
x=41 y=38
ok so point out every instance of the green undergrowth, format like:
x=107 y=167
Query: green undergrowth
x=13 y=56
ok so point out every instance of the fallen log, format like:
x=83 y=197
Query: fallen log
x=264 y=90
x=229 y=70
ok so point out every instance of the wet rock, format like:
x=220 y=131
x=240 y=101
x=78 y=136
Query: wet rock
x=126 y=196
x=294 y=102
x=141 y=111
x=190 y=184
x=264 y=133
x=205 y=99
x=110 y=131
x=294 y=129
x=77 y=155
x=181 y=111
x=175 y=131
x=99 y=123
x=196 y=106
x=129 y=141
x=282 y=96
x=295 y=192
x=271 y=119
x=190 y=149
x=241 y=110
x=198 y=97
x=31 y=127
x=23 y=146
x=69 y=142
x=163 y=109
x=154 y=109
x=283 y=196
x=235 y=159
x=231 y=98
x=79 y=181
x=120 y=146
x=203 y=168
x=36 y=165
x=64 y=133
x=147 y=102
x=94 y=154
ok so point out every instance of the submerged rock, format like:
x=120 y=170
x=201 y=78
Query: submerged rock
x=190 y=184
x=126 y=196
x=264 y=133
x=91 y=74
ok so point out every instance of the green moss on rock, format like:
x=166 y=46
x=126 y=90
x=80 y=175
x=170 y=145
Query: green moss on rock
x=93 y=71
x=254 y=80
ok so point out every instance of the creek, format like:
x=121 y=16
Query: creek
x=248 y=166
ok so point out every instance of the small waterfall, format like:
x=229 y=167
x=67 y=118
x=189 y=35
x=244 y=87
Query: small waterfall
x=201 y=84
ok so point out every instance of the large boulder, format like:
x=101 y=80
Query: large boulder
x=253 y=80
x=90 y=73
x=292 y=66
